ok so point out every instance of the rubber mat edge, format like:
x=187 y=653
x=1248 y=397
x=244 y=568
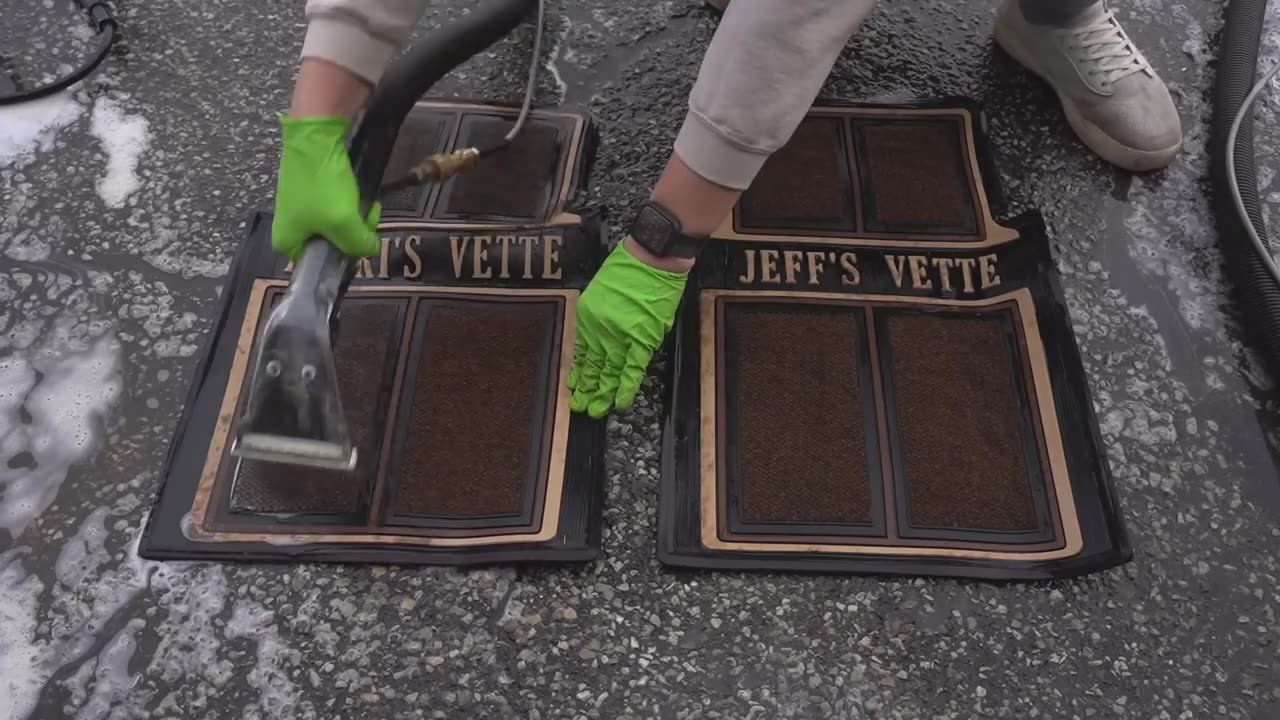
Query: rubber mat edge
x=248 y=253
x=1070 y=358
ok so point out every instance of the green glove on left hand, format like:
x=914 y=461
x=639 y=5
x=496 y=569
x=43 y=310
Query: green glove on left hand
x=623 y=315
x=316 y=191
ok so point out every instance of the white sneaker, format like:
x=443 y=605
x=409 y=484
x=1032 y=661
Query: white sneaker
x=1113 y=99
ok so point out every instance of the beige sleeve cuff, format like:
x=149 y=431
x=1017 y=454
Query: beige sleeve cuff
x=349 y=46
x=715 y=157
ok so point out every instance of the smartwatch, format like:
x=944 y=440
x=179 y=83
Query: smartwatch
x=655 y=229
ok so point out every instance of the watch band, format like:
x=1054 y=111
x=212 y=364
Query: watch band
x=655 y=229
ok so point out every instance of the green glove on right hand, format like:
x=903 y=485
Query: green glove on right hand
x=623 y=315
x=316 y=192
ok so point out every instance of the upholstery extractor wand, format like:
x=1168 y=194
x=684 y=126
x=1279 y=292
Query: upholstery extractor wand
x=294 y=413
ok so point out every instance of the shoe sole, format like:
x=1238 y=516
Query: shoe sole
x=1097 y=140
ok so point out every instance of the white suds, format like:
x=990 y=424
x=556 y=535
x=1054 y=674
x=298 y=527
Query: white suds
x=28 y=126
x=85 y=552
x=20 y=681
x=112 y=682
x=32 y=652
x=50 y=425
x=125 y=138
x=277 y=695
x=45 y=629
x=554 y=56
x=191 y=598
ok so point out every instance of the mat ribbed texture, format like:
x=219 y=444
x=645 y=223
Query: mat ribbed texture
x=802 y=181
x=802 y=439
x=513 y=182
x=959 y=424
x=467 y=453
x=361 y=353
x=915 y=174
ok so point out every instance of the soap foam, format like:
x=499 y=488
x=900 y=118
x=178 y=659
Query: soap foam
x=125 y=137
x=30 y=126
x=57 y=424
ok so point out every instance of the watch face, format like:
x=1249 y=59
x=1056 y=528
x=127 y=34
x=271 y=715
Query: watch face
x=661 y=234
x=652 y=230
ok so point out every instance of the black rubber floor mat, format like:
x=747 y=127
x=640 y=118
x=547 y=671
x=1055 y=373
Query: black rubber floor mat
x=869 y=374
x=452 y=348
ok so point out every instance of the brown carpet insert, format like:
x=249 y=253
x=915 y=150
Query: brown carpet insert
x=515 y=182
x=468 y=452
x=366 y=344
x=802 y=441
x=959 y=427
x=916 y=177
x=805 y=182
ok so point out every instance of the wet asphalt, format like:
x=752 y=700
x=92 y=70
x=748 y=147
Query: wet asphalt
x=105 y=308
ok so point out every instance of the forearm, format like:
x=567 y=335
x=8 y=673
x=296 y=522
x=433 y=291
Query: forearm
x=696 y=202
x=324 y=89
x=761 y=74
x=347 y=47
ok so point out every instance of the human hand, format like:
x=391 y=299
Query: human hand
x=316 y=192
x=623 y=315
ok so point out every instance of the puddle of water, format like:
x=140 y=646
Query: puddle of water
x=76 y=633
x=1142 y=269
x=46 y=628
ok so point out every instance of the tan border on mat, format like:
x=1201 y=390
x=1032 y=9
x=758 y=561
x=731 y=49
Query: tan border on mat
x=991 y=232
x=1044 y=394
x=561 y=220
x=550 y=526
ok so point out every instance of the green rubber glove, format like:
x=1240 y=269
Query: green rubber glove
x=316 y=191
x=623 y=315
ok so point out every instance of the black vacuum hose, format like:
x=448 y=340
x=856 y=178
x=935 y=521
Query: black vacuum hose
x=105 y=26
x=414 y=73
x=1256 y=290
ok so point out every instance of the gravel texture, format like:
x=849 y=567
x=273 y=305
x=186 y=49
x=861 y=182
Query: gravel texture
x=117 y=230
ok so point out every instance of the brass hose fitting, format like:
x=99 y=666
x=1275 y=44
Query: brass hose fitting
x=443 y=166
x=436 y=168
